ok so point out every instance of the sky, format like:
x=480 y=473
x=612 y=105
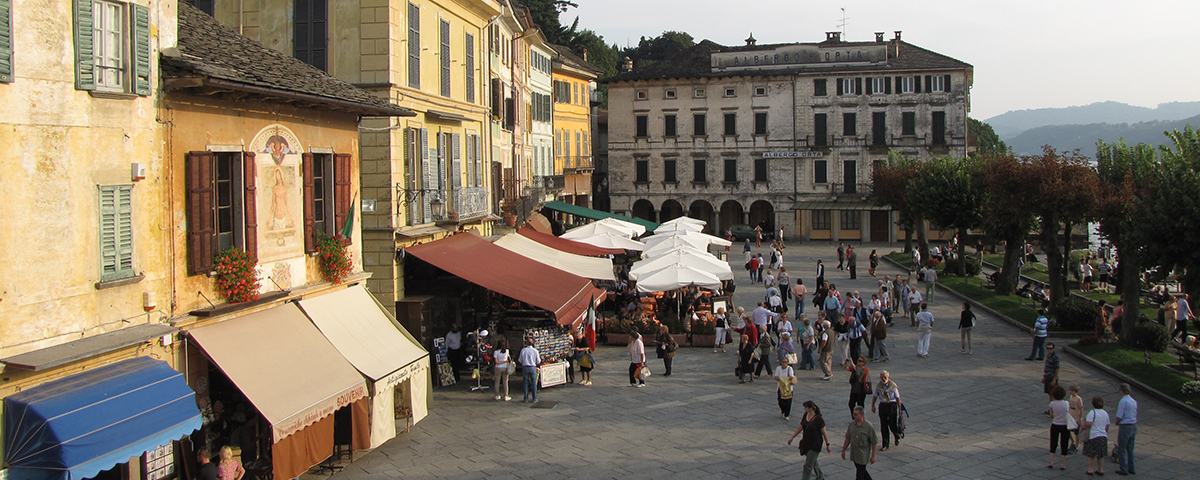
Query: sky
x=1026 y=54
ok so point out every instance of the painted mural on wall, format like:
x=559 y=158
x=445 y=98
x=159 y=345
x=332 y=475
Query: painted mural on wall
x=280 y=205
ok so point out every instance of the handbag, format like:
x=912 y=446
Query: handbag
x=867 y=389
x=791 y=358
x=512 y=367
x=643 y=372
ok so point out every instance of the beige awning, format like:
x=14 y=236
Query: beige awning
x=284 y=366
x=586 y=267
x=356 y=325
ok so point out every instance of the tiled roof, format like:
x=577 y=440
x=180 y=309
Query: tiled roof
x=568 y=57
x=696 y=62
x=212 y=50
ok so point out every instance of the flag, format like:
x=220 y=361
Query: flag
x=348 y=228
x=589 y=330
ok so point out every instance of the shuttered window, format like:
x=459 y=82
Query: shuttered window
x=820 y=131
x=849 y=124
x=112 y=47
x=878 y=128
x=116 y=232
x=760 y=170
x=469 y=71
x=760 y=123
x=699 y=170
x=730 y=169
x=641 y=126
x=699 y=127
x=669 y=171
x=669 y=125
x=819 y=87
x=221 y=206
x=820 y=171
x=730 y=124
x=310 y=24
x=908 y=123
x=327 y=195
x=444 y=57
x=6 y=44
x=455 y=161
x=414 y=45
x=642 y=171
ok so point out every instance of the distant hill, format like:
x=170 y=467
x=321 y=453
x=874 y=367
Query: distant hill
x=1010 y=124
x=1084 y=137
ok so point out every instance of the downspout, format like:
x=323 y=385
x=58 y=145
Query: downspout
x=795 y=160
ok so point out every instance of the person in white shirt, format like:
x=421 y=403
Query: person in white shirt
x=637 y=359
x=722 y=323
x=1095 y=448
x=502 y=356
x=924 y=330
x=530 y=359
x=785 y=377
x=807 y=344
x=454 y=351
x=914 y=303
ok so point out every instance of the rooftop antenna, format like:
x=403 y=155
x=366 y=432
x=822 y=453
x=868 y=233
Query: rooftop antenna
x=843 y=24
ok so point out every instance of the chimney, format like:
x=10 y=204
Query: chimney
x=897 y=35
x=585 y=52
x=878 y=37
x=751 y=41
x=897 y=43
x=627 y=65
x=833 y=36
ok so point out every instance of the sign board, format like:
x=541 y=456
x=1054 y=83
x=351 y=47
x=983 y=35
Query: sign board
x=793 y=154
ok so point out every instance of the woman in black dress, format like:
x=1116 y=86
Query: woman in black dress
x=813 y=427
x=745 y=359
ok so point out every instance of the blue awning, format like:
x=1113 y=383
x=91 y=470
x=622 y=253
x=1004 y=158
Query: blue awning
x=78 y=426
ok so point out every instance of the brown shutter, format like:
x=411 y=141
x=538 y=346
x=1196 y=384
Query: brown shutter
x=250 y=180
x=342 y=194
x=310 y=208
x=201 y=221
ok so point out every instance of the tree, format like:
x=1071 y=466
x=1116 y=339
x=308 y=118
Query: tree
x=1066 y=196
x=945 y=194
x=662 y=47
x=1009 y=183
x=890 y=189
x=1126 y=175
x=1168 y=225
x=545 y=14
x=988 y=143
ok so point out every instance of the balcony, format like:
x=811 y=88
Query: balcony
x=553 y=182
x=469 y=203
x=575 y=165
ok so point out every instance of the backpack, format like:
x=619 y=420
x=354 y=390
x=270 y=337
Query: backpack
x=747 y=265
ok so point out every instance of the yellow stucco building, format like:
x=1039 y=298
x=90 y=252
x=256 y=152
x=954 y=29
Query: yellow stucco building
x=574 y=80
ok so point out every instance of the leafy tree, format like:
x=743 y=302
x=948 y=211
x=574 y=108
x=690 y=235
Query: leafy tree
x=662 y=47
x=1168 y=226
x=945 y=194
x=1067 y=195
x=890 y=188
x=988 y=143
x=1009 y=183
x=1126 y=175
x=545 y=14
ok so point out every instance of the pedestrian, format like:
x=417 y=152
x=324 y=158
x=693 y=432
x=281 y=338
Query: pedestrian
x=1076 y=403
x=930 y=283
x=745 y=359
x=861 y=439
x=503 y=357
x=666 y=348
x=813 y=427
x=1127 y=418
x=722 y=324
x=902 y=298
x=820 y=273
x=887 y=393
x=1040 y=332
x=1050 y=370
x=841 y=255
x=852 y=262
x=529 y=359
x=454 y=350
x=1183 y=313
x=758 y=235
x=1103 y=332
x=1104 y=271
x=784 y=326
x=766 y=347
x=1096 y=446
x=832 y=305
x=784 y=282
x=915 y=300
x=207 y=469
x=966 y=322
x=785 y=377
x=229 y=468
x=769 y=279
x=1060 y=436
x=763 y=317
x=807 y=343
x=762 y=265
x=879 y=327
x=637 y=359
x=854 y=335
x=874 y=259
x=924 y=330
x=583 y=351
x=859 y=376
x=799 y=292
x=746 y=249
x=753 y=269
x=825 y=349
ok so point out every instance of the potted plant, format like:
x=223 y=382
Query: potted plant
x=704 y=332
x=334 y=257
x=235 y=275
x=617 y=331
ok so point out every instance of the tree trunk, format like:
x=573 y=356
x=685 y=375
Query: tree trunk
x=1130 y=283
x=1054 y=257
x=962 y=251
x=908 y=240
x=1014 y=249
x=922 y=241
x=1068 y=227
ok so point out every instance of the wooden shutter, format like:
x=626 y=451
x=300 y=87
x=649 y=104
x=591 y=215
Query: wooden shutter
x=887 y=85
x=426 y=175
x=116 y=232
x=455 y=161
x=870 y=86
x=478 y=161
x=469 y=44
x=85 y=53
x=310 y=205
x=201 y=213
x=140 y=23
x=899 y=84
x=946 y=84
x=858 y=89
x=6 y=43
x=916 y=84
x=444 y=54
x=929 y=84
x=840 y=89
x=250 y=205
x=343 y=190
x=414 y=45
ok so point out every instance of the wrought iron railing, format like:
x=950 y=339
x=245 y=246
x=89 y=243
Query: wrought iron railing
x=470 y=202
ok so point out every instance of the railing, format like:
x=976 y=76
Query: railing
x=553 y=182
x=574 y=164
x=470 y=202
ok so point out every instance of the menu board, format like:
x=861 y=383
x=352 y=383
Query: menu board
x=159 y=464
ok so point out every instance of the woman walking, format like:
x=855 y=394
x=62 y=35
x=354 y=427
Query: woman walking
x=858 y=382
x=745 y=359
x=874 y=259
x=637 y=358
x=1096 y=447
x=586 y=361
x=785 y=377
x=503 y=358
x=813 y=427
x=887 y=393
x=230 y=468
x=1076 y=403
x=965 y=323
x=666 y=348
x=1060 y=434
x=722 y=323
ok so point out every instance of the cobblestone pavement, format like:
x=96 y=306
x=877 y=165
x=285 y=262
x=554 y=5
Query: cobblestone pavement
x=976 y=416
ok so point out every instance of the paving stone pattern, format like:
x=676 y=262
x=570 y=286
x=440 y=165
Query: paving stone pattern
x=976 y=416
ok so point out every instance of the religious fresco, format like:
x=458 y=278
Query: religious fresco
x=280 y=196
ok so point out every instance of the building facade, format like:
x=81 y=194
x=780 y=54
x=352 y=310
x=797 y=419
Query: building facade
x=574 y=81
x=785 y=136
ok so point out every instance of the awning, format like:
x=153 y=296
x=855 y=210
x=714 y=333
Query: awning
x=586 y=267
x=539 y=222
x=87 y=347
x=478 y=261
x=284 y=366
x=356 y=326
x=595 y=214
x=829 y=205
x=448 y=116
x=77 y=426
x=569 y=246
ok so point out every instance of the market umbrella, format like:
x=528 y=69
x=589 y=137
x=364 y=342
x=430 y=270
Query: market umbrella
x=686 y=257
x=635 y=230
x=684 y=220
x=676 y=240
x=676 y=276
x=663 y=246
x=612 y=241
x=678 y=227
x=706 y=238
x=595 y=228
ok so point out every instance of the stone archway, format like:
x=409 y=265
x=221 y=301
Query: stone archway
x=731 y=214
x=671 y=209
x=643 y=209
x=763 y=213
x=702 y=210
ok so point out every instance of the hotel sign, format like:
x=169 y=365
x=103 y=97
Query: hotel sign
x=799 y=55
x=793 y=154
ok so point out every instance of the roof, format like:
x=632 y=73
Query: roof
x=87 y=347
x=568 y=57
x=213 y=55
x=696 y=62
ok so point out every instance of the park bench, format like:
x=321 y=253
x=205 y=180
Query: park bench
x=1188 y=359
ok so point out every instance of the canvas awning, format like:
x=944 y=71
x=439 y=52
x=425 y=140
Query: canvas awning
x=78 y=426
x=569 y=246
x=586 y=267
x=284 y=366
x=540 y=223
x=595 y=214
x=470 y=257
x=353 y=322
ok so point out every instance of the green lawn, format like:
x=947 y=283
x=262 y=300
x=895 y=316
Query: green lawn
x=1010 y=306
x=1133 y=363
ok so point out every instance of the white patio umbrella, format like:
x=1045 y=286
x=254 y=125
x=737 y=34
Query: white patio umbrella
x=595 y=228
x=676 y=276
x=635 y=230
x=682 y=256
x=612 y=241
x=678 y=227
x=663 y=246
x=685 y=220
x=709 y=239
x=675 y=240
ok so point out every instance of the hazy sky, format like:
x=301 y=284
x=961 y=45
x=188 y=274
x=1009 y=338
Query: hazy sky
x=1026 y=54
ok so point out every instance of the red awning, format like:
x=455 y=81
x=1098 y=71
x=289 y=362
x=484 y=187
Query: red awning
x=478 y=261
x=569 y=246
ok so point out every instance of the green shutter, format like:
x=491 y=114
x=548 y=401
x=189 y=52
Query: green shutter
x=6 y=43
x=85 y=53
x=116 y=232
x=140 y=23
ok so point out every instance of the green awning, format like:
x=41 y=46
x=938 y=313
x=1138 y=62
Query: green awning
x=596 y=214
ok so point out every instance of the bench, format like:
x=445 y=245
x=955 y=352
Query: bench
x=1188 y=359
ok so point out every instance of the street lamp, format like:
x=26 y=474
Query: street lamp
x=437 y=208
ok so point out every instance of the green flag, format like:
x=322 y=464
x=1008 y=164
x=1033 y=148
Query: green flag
x=348 y=228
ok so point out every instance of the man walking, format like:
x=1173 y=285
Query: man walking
x=825 y=350
x=753 y=269
x=852 y=262
x=1050 y=371
x=1127 y=431
x=924 y=330
x=930 y=283
x=530 y=359
x=820 y=274
x=862 y=441
x=1040 y=332
x=878 y=336
x=800 y=292
x=841 y=255
x=915 y=301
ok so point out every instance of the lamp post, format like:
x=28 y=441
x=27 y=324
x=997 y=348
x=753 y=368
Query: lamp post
x=437 y=208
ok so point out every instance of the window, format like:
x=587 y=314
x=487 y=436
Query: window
x=760 y=170
x=112 y=47
x=907 y=84
x=698 y=93
x=849 y=124
x=820 y=133
x=414 y=45
x=730 y=92
x=849 y=86
x=879 y=85
x=642 y=127
x=937 y=83
x=760 y=123
x=851 y=220
x=730 y=169
x=444 y=57
x=669 y=93
x=205 y=6
x=669 y=171
x=939 y=128
x=908 y=123
x=116 y=232
x=326 y=195
x=669 y=125
x=820 y=171
x=699 y=170
x=878 y=128
x=643 y=171
x=540 y=105
x=730 y=124
x=819 y=88
x=642 y=95
x=574 y=93
x=310 y=24
x=469 y=67
x=850 y=176
x=418 y=176
x=760 y=91
x=578 y=144
x=220 y=202
x=6 y=40
x=699 y=127
x=822 y=220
